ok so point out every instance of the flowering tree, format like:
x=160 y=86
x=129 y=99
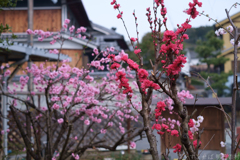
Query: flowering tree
x=232 y=30
x=72 y=94
x=167 y=52
x=168 y=55
x=72 y=97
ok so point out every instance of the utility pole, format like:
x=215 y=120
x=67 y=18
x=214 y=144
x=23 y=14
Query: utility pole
x=30 y=39
x=30 y=21
x=30 y=87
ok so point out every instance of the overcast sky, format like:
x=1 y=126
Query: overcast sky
x=102 y=13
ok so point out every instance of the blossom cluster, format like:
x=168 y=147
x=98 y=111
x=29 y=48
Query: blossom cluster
x=79 y=89
x=121 y=75
x=222 y=155
x=192 y=11
x=173 y=45
x=169 y=126
x=183 y=95
x=233 y=42
x=74 y=92
x=116 y=6
x=43 y=35
x=195 y=124
x=173 y=40
x=176 y=66
x=222 y=31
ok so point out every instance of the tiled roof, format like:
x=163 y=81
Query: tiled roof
x=18 y=51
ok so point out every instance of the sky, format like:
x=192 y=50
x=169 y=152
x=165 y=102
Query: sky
x=102 y=13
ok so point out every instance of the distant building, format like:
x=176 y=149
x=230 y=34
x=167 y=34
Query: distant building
x=214 y=126
x=49 y=15
x=227 y=46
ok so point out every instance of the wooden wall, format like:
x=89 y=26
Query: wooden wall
x=75 y=54
x=47 y=20
x=43 y=19
x=213 y=125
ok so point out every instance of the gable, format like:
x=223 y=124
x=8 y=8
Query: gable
x=226 y=21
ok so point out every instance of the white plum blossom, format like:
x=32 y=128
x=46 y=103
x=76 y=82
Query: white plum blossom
x=220 y=31
x=196 y=123
x=229 y=28
x=200 y=119
x=232 y=42
x=223 y=144
x=194 y=129
x=217 y=33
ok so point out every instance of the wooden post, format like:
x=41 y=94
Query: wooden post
x=30 y=42
x=30 y=21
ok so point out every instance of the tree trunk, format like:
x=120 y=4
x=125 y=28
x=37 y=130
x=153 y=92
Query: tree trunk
x=150 y=136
